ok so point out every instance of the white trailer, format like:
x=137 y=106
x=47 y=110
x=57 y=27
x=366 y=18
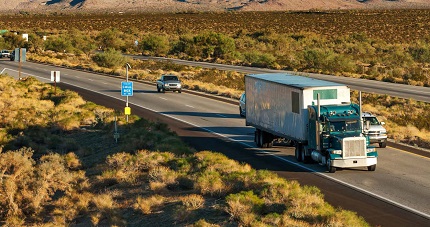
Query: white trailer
x=303 y=109
x=279 y=102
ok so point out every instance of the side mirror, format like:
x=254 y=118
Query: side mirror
x=382 y=123
x=367 y=125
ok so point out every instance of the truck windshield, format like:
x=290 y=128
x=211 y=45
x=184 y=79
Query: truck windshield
x=342 y=126
x=372 y=120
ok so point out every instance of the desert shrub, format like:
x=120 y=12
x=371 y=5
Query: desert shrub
x=214 y=161
x=210 y=182
x=147 y=205
x=105 y=208
x=420 y=52
x=35 y=43
x=192 y=201
x=162 y=174
x=156 y=45
x=12 y=41
x=307 y=204
x=110 y=58
x=70 y=206
x=60 y=43
x=203 y=223
x=28 y=185
x=242 y=204
x=110 y=38
x=258 y=59
x=206 y=45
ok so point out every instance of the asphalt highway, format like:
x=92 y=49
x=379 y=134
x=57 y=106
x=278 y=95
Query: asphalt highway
x=396 y=194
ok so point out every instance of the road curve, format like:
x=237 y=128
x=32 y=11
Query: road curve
x=371 y=86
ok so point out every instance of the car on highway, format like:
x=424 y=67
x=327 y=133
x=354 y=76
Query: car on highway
x=5 y=54
x=242 y=105
x=169 y=83
x=374 y=129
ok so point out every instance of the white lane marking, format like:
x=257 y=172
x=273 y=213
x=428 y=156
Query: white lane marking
x=104 y=83
x=90 y=79
x=221 y=115
x=189 y=106
x=409 y=153
x=25 y=74
x=162 y=98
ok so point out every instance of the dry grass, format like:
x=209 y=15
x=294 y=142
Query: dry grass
x=147 y=205
x=192 y=201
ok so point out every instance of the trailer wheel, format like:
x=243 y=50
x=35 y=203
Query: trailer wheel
x=298 y=153
x=371 y=168
x=305 y=159
x=257 y=137
x=330 y=169
x=262 y=138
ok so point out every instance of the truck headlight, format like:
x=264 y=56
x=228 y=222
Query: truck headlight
x=370 y=149
x=336 y=151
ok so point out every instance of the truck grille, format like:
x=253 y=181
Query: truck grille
x=354 y=147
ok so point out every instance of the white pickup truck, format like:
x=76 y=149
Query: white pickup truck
x=5 y=54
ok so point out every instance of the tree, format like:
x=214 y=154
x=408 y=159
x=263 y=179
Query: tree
x=111 y=58
x=59 y=44
x=34 y=44
x=155 y=45
x=13 y=41
x=110 y=38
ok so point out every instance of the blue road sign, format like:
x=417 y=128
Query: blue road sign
x=126 y=88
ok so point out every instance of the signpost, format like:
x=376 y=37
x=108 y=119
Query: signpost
x=55 y=77
x=127 y=90
x=20 y=56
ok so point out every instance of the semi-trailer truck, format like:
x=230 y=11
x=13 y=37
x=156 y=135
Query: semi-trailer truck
x=316 y=115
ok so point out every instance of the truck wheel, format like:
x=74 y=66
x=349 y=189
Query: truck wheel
x=262 y=140
x=179 y=91
x=383 y=144
x=163 y=90
x=305 y=159
x=330 y=168
x=158 y=89
x=298 y=154
x=257 y=138
x=371 y=168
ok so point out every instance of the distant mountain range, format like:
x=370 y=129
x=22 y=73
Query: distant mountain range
x=203 y=5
